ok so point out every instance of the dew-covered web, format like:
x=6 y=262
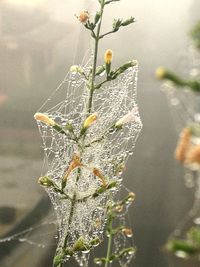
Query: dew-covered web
x=183 y=103
x=38 y=235
x=68 y=105
x=122 y=241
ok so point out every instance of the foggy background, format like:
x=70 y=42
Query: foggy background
x=39 y=41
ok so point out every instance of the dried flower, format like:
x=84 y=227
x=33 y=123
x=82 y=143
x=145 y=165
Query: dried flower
x=183 y=145
x=193 y=155
x=99 y=174
x=44 y=118
x=131 y=116
x=75 y=163
x=128 y=232
x=90 y=120
x=83 y=16
x=161 y=73
x=98 y=223
x=108 y=56
x=119 y=208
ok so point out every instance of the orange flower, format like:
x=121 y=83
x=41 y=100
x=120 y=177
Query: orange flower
x=193 y=155
x=90 y=120
x=83 y=16
x=75 y=163
x=108 y=56
x=44 y=118
x=183 y=145
x=98 y=173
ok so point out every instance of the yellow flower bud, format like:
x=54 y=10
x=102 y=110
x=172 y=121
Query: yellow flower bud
x=108 y=56
x=131 y=196
x=83 y=16
x=90 y=120
x=161 y=73
x=44 y=118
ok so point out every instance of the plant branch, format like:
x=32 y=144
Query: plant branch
x=92 y=87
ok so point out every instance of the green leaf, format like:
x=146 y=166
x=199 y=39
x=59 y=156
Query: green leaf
x=59 y=129
x=176 y=245
x=95 y=242
x=58 y=259
x=97 y=17
x=100 y=70
x=194 y=236
x=81 y=245
x=110 y=1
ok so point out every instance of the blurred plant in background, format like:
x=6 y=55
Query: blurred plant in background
x=184 y=98
x=87 y=138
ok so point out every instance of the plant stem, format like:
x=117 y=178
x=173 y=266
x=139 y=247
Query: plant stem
x=92 y=87
x=109 y=248
x=71 y=214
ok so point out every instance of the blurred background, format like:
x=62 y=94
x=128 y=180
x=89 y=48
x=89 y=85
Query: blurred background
x=39 y=41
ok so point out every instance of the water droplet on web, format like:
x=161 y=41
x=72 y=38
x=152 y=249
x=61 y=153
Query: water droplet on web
x=197 y=220
x=174 y=101
x=189 y=180
x=103 y=73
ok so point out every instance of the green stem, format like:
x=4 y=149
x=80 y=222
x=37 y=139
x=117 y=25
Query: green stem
x=92 y=87
x=109 y=247
x=71 y=214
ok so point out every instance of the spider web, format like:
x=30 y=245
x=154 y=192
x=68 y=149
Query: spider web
x=111 y=102
x=183 y=103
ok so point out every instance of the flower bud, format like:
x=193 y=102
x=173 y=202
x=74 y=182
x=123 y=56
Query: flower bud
x=183 y=145
x=131 y=196
x=129 y=117
x=83 y=16
x=119 y=208
x=108 y=56
x=76 y=69
x=45 y=181
x=128 y=232
x=90 y=120
x=128 y=21
x=161 y=73
x=44 y=118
